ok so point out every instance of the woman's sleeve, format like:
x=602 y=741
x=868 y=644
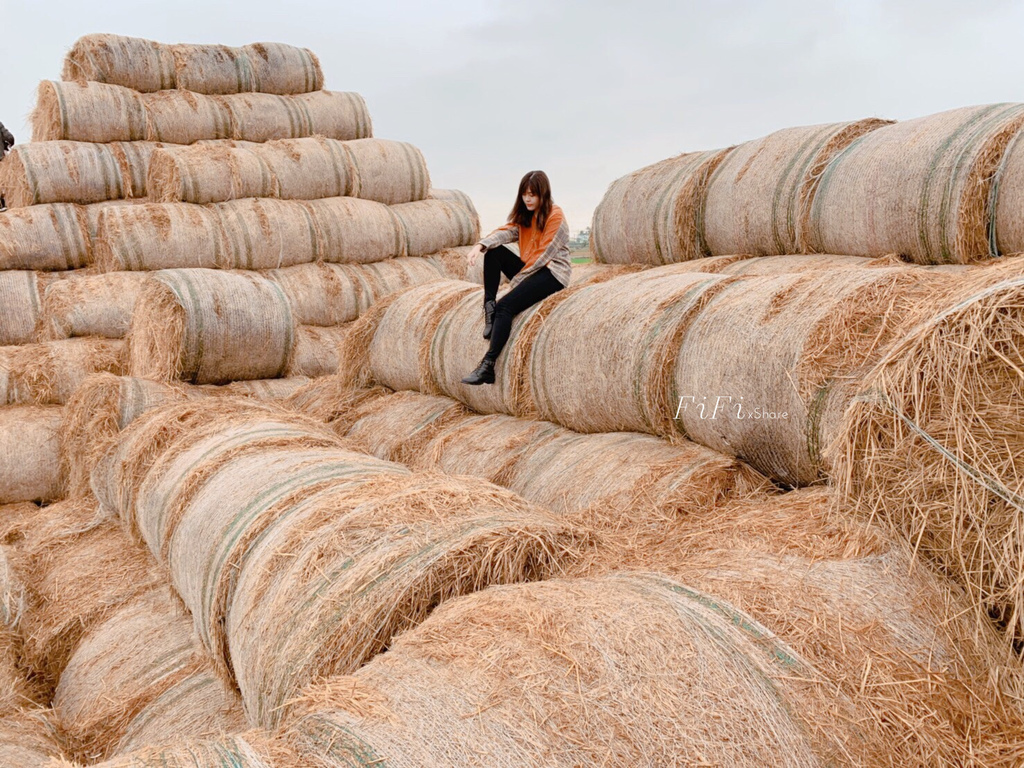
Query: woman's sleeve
x=509 y=233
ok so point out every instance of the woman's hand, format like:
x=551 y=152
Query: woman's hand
x=477 y=251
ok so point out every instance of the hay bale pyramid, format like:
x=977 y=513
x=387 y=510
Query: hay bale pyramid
x=742 y=495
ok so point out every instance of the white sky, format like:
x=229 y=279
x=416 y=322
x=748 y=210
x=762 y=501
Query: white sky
x=586 y=91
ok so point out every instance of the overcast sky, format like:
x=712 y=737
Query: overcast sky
x=585 y=90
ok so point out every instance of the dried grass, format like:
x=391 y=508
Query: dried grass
x=795 y=344
x=348 y=570
x=51 y=372
x=618 y=671
x=210 y=327
x=932 y=444
x=145 y=65
x=920 y=188
x=30 y=453
x=90 y=305
x=253 y=749
x=102 y=406
x=433 y=225
x=757 y=196
x=28 y=739
x=20 y=303
x=80 y=569
x=93 y=112
x=603 y=359
x=655 y=214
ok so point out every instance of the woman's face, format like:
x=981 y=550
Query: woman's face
x=530 y=200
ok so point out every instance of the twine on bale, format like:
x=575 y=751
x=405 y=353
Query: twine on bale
x=933 y=446
x=666 y=674
x=45 y=237
x=145 y=65
x=921 y=188
x=930 y=686
x=210 y=327
x=50 y=373
x=30 y=454
x=90 y=305
x=756 y=197
x=655 y=215
x=20 y=306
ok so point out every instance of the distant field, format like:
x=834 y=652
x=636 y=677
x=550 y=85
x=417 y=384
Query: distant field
x=582 y=257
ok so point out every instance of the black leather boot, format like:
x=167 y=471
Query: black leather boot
x=488 y=318
x=484 y=373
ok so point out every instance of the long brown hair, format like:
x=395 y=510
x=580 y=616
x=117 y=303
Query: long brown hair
x=536 y=182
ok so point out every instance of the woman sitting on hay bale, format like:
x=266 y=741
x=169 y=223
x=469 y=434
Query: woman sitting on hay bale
x=542 y=269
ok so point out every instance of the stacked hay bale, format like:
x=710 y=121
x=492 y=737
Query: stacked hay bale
x=319 y=527
x=259 y=169
x=928 y=189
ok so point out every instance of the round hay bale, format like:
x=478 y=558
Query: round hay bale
x=207 y=548
x=354 y=231
x=398 y=353
x=210 y=327
x=327 y=400
x=28 y=739
x=655 y=215
x=20 y=303
x=50 y=373
x=399 y=426
x=265 y=67
x=119 y=472
x=489 y=447
x=920 y=188
x=87 y=112
x=132 y=62
x=61 y=172
x=767 y=367
x=795 y=263
x=145 y=65
x=199 y=706
x=388 y=172
x=91 y=305
x=102 y=406
x=366 y=561
x=384 y=278
x=315 y=352
x=30 y=453
x=896 y=640
x=932 y=445
x=757 y=197
x=120 y=666
x=81 y=567
x=44 y=237
x=664 y=673
x=432 y=225
x=262 y=117
x=282 y=69
x=209 y=173
x=182 y=117
x=161 y=491
x=603 y=359
x=321 y=294
x=266 y=234
x=157 y=236
x=567 y=472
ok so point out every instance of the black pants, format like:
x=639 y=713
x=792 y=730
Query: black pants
x=534 y=288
